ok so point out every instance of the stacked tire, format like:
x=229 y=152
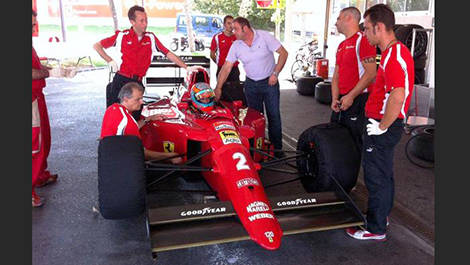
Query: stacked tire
x=323 y=92
x=306 y=85
x=404 y=33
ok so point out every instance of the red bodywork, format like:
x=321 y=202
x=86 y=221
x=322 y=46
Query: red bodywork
x=234 y=175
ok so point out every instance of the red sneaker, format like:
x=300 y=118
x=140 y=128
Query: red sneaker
x=37 y=201
x=51 y=178
x=364 y=234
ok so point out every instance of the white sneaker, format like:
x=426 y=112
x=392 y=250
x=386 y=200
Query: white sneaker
x=364 y=234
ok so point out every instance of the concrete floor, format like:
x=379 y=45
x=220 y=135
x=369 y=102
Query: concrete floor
x=66 y=230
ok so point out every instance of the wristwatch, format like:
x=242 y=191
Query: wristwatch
x=275 y=73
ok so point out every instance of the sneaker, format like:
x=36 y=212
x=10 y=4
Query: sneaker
x=364 y=234
x=49 y=180
x=37 y=201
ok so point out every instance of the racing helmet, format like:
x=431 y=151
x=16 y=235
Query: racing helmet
x=202 y=96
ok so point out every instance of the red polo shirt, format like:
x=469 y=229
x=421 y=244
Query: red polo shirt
x=136 y=55
x=221 y=44
x=349 y=55
x=38 y=84
x=396 y=69
x=118 y=121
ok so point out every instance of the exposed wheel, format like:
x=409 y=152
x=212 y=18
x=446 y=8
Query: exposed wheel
x=323 y=92
x=121 y=189
x=405 y=35
x=174 y=46
x=331 y=152
x=298 y=69
x=306 y=85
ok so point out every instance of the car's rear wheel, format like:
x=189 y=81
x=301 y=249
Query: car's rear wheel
x=121 y=177
x=330 y=152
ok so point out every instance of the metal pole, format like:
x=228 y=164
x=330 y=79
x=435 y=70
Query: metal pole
x=62 y=22
x=325 y=33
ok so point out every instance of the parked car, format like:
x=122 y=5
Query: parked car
x=204 y=25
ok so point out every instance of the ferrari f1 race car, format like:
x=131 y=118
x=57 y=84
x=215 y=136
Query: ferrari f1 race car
x=223 y=146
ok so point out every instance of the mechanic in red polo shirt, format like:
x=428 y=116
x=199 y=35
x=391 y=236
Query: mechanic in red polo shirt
x=386 y=110
x=354 y=73
x=41 y=130
x=220 y=45
x=136 y=46
x=117 y=119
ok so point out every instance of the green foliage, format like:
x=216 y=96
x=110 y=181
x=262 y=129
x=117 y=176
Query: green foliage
x=259 y=18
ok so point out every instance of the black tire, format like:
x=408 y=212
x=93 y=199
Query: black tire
x=306 y=85
x=421 y=144
x=420 y=62
x=405 y=35
x=331 y=151
x=121 y=177
x=419 y=76
x=174 y=46
x=323 y=92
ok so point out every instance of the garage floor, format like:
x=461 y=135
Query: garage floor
x=67 y=231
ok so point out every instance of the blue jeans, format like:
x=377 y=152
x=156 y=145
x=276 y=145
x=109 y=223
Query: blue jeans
x=260 y=95
x=378 y=175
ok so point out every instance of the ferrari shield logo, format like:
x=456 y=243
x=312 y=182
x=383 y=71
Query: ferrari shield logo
x=259 y=143
x=168 y=146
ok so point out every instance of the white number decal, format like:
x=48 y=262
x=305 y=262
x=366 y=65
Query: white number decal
x=242 y=163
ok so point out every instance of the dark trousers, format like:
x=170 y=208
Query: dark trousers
x=353 y=118
x=234 y=74
x=113 y=88
x=378 y=175
x=260 y=95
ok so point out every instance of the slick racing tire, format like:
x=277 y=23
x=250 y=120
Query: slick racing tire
x=121 y=177
x=420 y=62
x=323 y=92
x=306 y=85
x=421 y=144
x=330 y=152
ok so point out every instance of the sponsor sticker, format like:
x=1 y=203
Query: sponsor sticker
x=246 y=182
x=168 y=146
x=260 y=216
x=204 y=211
x=223 y=126
x=298 y=201
x=269 y=235
x=257 y=206
x=230 y=137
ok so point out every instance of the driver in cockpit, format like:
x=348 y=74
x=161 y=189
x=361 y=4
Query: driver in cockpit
x=202 y=97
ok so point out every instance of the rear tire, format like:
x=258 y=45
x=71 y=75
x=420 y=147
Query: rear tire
x=121 y=189
x=331 y=152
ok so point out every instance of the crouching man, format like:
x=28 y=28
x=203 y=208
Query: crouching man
x=118 y=120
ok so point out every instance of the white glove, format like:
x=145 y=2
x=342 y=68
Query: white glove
x=373 y=128
x=113 y=66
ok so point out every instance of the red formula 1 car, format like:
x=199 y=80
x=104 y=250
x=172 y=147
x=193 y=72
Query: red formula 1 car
x=225 y=147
